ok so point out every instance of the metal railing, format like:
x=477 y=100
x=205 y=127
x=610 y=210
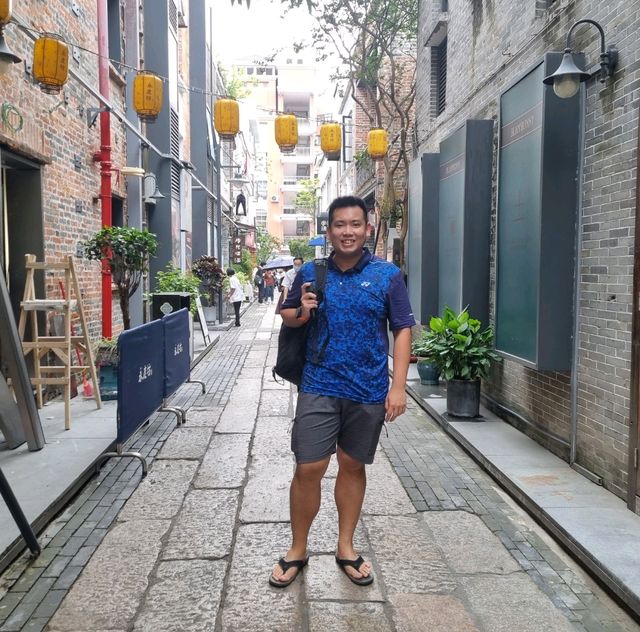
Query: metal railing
x=364 y=172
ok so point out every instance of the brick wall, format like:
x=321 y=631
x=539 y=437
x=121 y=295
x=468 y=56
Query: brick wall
x=56 y=131
x=491 y=43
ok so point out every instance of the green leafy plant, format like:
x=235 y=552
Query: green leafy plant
x=174 y=280
x=362 y=158
x=266 y=244
x=127 y=251
x=457 y=345
x=106 y=352
x=211 y=275
x=300 y=248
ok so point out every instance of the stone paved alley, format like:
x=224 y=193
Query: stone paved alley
x=190 y=547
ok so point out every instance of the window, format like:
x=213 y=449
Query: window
x=249 y=71
x=269 y=71
x=113 y=22
x=444 y=5
x=439 y=77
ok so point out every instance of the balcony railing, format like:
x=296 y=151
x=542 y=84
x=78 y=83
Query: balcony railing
x=365 y=171
x=294 y=180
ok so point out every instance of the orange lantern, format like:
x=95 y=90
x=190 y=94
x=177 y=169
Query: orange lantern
x=147 y=96
x=50 y=63
x=331 y=140
x=226 y=118
x=5 y=12
x=286 y=128
x=378 y=143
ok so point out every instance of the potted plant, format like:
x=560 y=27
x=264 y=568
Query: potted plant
x=174 y=280
x=429 y=371
x=211 y=276
x=463 y=352
x=127 y=251
x=106 y=358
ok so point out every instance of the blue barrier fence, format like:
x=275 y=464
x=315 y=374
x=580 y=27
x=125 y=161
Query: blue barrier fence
x=154 y=361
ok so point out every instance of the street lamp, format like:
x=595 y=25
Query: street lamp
x=567 y=79
x=7 y=58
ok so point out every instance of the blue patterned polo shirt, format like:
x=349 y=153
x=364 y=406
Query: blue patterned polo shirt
x=352 y=322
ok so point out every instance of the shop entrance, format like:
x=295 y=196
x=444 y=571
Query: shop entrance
x=21 y=229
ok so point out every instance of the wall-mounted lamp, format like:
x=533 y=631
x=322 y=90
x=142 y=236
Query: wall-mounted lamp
x=567 y=79
x=7 y=58
x=151 y=190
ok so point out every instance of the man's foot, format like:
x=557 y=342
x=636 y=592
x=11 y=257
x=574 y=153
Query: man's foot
x=355 y=568
x=285 y=571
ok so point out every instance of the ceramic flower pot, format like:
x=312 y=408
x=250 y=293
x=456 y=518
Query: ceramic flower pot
x=429 y=373
x=463 y=398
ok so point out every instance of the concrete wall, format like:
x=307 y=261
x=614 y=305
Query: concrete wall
x=491 y=43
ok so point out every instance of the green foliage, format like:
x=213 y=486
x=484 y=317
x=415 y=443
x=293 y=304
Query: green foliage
x=306 y=198
x=362 y=158
x=174 y=280
x=127 y=250
x=266 y=244
x=246 y=265
x=106 y=352
x=457 y=345
x=211 y=275
x=236 y=86
x=300 y=248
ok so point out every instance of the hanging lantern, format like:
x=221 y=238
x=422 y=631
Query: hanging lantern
x=378 y=143
x=286 y=128
x=226 y=118
x=50 y=63
x=331 y=140
x=5 y=12
x=147 y=96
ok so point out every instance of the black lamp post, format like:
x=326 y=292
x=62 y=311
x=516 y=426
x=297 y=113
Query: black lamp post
x=567 y=79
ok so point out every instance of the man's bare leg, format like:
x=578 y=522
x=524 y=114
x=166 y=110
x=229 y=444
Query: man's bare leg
x=349 y=494
x=304 y=503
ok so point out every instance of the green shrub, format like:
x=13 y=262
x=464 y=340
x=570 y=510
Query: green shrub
x=174 y=280
x=457 y=345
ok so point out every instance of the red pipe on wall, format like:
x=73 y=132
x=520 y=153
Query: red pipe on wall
x=105 y=159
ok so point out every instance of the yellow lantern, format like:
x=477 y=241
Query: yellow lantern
x=147 y=96
x=5 y=12
x=226 y=118
x=378 y=143
x=331 y=140
x=50 y=63
x=286 y=127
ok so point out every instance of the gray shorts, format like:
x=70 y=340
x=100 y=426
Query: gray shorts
x=323 y=422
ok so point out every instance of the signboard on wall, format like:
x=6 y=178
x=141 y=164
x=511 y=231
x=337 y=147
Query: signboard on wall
x=537 y=199
x=463 y=223
x=237 y=246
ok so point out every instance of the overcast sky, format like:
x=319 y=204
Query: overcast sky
x=239 y=32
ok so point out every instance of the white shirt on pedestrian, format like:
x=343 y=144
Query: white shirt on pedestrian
x=236 y=286
x=289 y=276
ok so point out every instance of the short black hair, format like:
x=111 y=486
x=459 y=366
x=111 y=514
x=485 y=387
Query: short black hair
x=298 y=259
x=344 y=202
x=230 y=271
x=262 y=263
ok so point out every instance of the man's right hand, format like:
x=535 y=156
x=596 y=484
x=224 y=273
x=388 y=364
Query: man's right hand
x=308 y=300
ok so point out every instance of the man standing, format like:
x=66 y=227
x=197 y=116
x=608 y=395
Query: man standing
x=344 y=397
x=290 y=275
x=235 y=294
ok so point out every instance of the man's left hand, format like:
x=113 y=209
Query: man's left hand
x=395 y=404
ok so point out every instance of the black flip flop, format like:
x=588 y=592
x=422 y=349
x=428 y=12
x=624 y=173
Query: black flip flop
x=285 y=566
x=357 y=563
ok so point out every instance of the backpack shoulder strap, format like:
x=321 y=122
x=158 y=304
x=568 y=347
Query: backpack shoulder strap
x=320 y=266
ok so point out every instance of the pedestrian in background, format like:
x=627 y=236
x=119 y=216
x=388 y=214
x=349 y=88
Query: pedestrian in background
x=269 y=285
x=344 y=397
x=258 y=281
x=290 y=275
x=235 y=295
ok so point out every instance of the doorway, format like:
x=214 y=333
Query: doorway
x=21 y=222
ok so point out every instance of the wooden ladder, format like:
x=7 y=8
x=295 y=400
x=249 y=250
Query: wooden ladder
x=62 y=347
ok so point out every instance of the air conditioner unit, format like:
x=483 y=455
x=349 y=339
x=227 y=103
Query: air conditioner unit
x=275 y=198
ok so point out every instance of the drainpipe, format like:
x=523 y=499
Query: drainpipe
x=105 y=158
x=634 y=412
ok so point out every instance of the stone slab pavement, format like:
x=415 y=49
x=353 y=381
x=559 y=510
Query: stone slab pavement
x=192 y=547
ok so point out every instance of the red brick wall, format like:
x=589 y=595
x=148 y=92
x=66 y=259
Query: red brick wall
x=56 y=130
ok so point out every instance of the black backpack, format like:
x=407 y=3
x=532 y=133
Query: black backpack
x=292 y=341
